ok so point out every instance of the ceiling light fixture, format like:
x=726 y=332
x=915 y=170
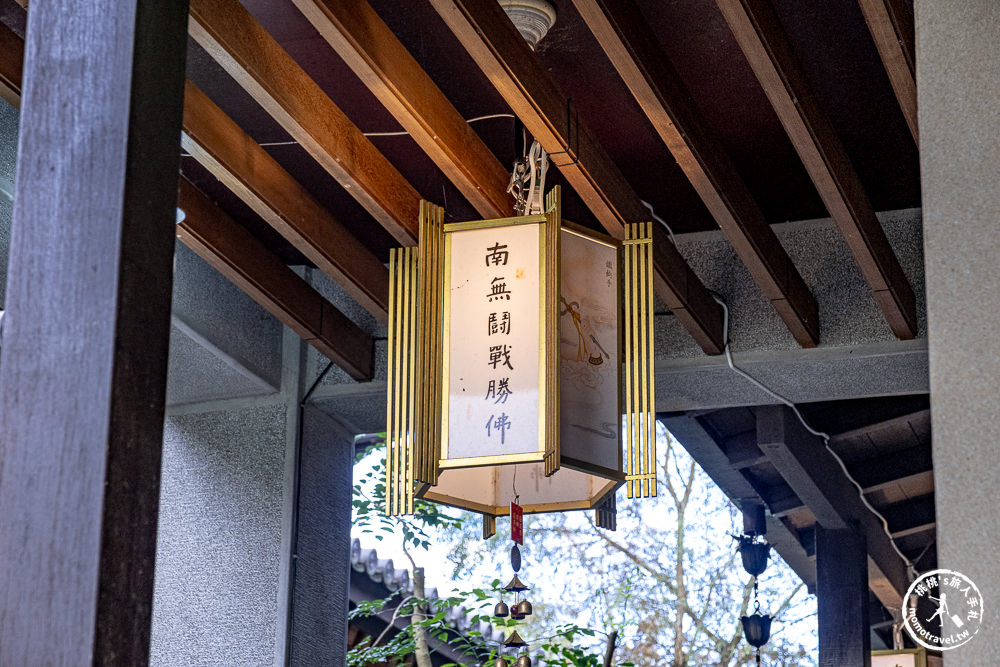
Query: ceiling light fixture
x=532 y=18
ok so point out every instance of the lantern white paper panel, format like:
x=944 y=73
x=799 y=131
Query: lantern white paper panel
x=491 y=489
x=896 y=660
x=589 y=352
x=493 y=373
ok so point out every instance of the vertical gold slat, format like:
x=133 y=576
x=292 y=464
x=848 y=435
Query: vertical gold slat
x=648 y=247
x=435 y=325
x=405 y=373
x=400 y=382
x=644 y=361
x=422 y=354
x=627 y=264
x=423 y=414
x=390 y=488
x=636 y=369
x=415 y=380
x=431 y=349
x=553 y=227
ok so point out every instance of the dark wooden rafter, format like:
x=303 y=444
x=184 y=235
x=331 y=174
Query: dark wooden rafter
x=219 y=144
x=905 y=421
x=632 y=48
x=245 y=261
x=231 y=35
x=379 y=59
x=11 y=63
x=891 y=25
x=816 y=478
x=912 y=516
x=911 y=465
x=520 y=77
x=762 y=38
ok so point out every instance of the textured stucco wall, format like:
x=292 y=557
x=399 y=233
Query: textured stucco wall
x=958 y=84
x=217 y=561
x=220 y=311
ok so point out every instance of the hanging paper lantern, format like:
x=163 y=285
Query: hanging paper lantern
x=508 y=349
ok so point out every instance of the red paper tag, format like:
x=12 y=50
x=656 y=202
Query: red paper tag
x=517 y=523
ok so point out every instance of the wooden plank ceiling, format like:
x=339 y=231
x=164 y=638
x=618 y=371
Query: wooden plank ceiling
x=733 y=114
x=762 y=455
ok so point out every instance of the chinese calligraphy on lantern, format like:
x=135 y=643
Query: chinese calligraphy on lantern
x=493 y=397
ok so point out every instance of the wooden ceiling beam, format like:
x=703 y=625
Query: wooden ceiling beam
x=908 y=465
x=520 y=77
x=379 y=59
x=236 y=254
x=813 y=474
x=246 y=262
x=891 y=25
x=761 y=37
x=895 y=422
x=11 y=63
x=632 y=48
x=234 y=39
x=225 y=150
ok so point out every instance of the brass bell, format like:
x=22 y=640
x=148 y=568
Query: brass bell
x=500 y=662
x=523 y=661
x=515 y=613
x=501 y=610
x=523 y=608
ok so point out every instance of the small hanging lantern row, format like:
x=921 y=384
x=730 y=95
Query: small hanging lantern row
x=510 y=344
x=754 y=554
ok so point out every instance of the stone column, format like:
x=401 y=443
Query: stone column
x=958 y=86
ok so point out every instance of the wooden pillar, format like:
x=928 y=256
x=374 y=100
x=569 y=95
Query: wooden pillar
x=321 y=543
x=842 y=598
x=83 y=366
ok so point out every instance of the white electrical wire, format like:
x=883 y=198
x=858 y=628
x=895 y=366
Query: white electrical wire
x=659 y=220
x=911 y=569
x=402 y=133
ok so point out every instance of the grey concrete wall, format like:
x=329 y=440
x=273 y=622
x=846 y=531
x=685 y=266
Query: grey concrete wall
x=253 y=559
x=218 y=561
x=958 y=84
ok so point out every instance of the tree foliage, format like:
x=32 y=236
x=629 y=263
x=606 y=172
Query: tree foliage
x=667 y=587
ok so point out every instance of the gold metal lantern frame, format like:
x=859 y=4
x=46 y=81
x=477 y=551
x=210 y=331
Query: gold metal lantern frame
x=568 y=326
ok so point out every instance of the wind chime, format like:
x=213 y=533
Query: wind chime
x=520 y=607
x=754 y=553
